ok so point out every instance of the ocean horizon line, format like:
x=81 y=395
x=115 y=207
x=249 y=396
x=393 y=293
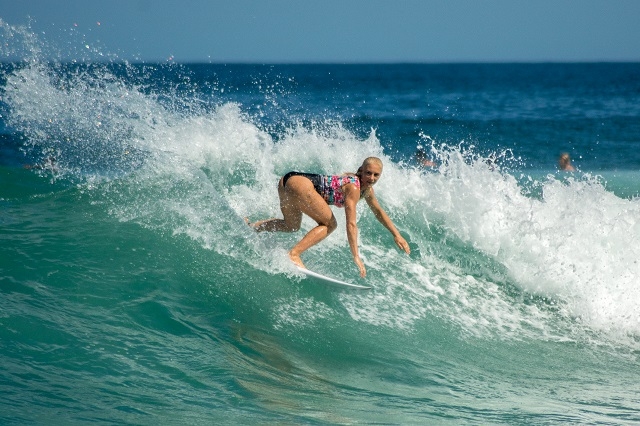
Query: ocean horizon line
x=248 y=62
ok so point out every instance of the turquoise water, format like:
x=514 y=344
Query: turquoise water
x=133 y=292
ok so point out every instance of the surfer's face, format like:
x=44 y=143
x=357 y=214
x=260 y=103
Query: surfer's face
x=370 y=174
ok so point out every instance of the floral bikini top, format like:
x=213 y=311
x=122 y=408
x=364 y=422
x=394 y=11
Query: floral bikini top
x=331 y=188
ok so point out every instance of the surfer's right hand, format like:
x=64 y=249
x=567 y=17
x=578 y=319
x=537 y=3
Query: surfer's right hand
x=363 y=270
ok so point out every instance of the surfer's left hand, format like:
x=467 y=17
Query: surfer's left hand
x=402 y=244
x=363 y=270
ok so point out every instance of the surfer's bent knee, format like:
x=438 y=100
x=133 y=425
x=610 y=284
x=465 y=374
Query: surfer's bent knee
x=332 y=225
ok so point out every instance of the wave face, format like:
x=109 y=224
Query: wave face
x=133 y=291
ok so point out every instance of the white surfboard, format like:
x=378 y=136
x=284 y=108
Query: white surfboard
x=330 y=280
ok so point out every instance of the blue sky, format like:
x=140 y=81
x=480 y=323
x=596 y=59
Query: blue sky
x=342 y=31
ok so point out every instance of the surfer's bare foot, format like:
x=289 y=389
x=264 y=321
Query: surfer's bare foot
x=296 y=260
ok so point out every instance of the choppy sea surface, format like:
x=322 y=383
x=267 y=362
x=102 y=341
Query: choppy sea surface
x=132 y=292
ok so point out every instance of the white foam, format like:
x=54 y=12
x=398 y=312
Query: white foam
x=577 y=244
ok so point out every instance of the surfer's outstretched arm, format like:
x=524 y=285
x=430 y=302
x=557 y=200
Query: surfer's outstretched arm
x=384 y=219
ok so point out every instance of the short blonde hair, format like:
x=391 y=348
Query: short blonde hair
x=371 y=160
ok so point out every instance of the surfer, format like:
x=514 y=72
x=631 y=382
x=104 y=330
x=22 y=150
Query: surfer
x=422 y=158
x=312 y=194
x=565 y=162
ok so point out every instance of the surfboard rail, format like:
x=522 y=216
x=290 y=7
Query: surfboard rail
x=333 y=281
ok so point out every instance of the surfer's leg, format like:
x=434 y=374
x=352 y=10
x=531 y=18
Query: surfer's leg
x=290 y=211
x=299 y=196
x=313 y=205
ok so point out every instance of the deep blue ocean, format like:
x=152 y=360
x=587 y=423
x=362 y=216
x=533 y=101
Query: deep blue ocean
x=132 y=292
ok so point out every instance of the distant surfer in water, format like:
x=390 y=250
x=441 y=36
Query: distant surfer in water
x=312 y=194
x=422 y=158
x=564 y=163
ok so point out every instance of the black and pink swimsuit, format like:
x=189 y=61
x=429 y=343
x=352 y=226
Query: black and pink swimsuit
x=328 y=186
